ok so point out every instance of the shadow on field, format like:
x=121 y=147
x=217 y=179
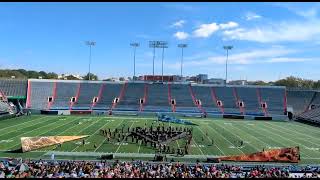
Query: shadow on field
x=15 y=151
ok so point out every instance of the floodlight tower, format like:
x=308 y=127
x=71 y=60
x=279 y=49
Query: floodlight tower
x=154 y=45
x=90 y=43
x=182 y=46
x=227 y=48
x=134 y=45
x=162 y=45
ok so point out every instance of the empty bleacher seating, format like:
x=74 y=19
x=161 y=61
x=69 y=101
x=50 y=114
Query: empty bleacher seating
x=130 y=100
x=88 y=90
x=40 y=91
x=110 y=91
x=64 y=91
x=183 y=98
x=274 y=97
x=13 y=87
x=157 y=98
x=299 y=100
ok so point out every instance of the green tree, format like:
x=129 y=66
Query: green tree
x=71 y=77
x=52 y=75
x=92 y=77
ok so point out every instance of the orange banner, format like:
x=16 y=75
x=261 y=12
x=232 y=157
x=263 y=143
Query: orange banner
x=291 y=155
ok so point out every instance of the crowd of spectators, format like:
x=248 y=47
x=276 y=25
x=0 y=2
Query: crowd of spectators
x=139 y=169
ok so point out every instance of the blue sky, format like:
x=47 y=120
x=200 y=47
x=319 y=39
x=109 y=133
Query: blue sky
x=271 y=40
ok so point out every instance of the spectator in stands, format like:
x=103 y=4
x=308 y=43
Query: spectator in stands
x=139 y=169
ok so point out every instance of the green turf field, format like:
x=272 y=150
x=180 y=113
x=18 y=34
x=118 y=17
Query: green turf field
x=226 y=134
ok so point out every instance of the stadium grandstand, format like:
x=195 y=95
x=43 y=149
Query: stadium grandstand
x=172 y=117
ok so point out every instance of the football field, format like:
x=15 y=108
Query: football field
x=225 y=133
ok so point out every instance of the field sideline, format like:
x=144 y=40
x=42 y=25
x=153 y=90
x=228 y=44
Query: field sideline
x=225 y=133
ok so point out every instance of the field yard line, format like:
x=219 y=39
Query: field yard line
x=93 y=133
x=43 y=132
x=226 y=139
x=304 y=126
x=141 y=142
x=25 y=127
x=104 y=139
x=20 y=124
x=65 y=131
x=197 y=146
x=213 y=143
x=237 y=136
x=253 y=129
x=298 y=133
x=128 y=117
x=34 y=129
x=123 y=139
x=282 y=138
x=291 y=140
x=254 y=136
x=85 y=129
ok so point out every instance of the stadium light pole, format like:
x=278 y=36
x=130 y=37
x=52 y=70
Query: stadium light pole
x=134 y=45
x=182 y=46
x=153 y=44
x=163 y=45
x=90 y=43
x=227 y=48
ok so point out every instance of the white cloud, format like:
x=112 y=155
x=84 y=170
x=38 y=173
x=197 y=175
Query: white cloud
x=251 y=16
x=286 y=59
x=228 y=25
x=206 y=30
x=277 y=32
x=179 y=23
x=181 y=35
x=256 y=56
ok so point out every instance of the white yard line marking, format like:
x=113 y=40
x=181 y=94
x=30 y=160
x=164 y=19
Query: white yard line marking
x=262 y=134
x=253 y=135
x=140 y=141
x=226 y=140
x=304 y=126
x=104 y=139
x=123 y=140
x=290 y=140
x=7 y=132
x=317 y=144
x=237 y=136
x=194 y=141
x=66 y=130
x=23 y=123
x=211 y=140
x=41 y=133
x=280 y=137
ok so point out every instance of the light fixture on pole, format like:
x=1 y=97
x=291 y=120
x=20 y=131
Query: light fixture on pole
x=90 y=43
x=154 y=45
x=227 y=48
x=134 y=45
x=182 y=46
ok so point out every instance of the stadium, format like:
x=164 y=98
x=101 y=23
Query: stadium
x=227 y=120
x=156 y=125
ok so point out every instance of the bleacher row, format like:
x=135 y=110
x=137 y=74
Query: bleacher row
x=155 y=97
x=312 y=115
x=13 y=87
